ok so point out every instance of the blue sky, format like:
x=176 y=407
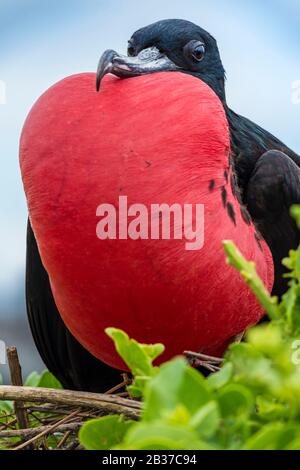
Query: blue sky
x=42 y=42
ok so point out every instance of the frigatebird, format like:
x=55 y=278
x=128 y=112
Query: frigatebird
x=266 y=173
x=265 y=180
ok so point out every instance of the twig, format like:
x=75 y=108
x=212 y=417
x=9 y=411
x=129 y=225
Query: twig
x=126 y=381
x=45 y=443
x=4 y=415
x=116 y=388
x=37 y=418
x=204 y=357
x=47 y=431
x=206 y=365
x=107 y=403
x=199 y=360
x=51 y=410
x=64 y=439
x=239 y=338
x=73 y=445
x=16 y=379
x=32 y=432
x=8 y=425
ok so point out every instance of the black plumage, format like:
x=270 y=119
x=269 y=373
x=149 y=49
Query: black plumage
x=266 y=177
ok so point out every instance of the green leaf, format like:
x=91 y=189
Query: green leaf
x=294 y=445
x=221 y=378
x=248 y=271
x=138 y=357
x=161 y=436
x=252 y=368
x=266 y=339
x=180 y=415
x=269 y=409
x=275 y=436
x=290 y=308
x=207 y=420
x=238 y=353
x=6 y=407
x=176 y=384
x=47 y=380
x=235 y=399
x=104 y=433
x=33 y=380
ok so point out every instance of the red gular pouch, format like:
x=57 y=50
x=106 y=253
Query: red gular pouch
x=155 y=139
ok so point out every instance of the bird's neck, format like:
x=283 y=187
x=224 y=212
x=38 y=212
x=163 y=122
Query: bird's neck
x=216 y=84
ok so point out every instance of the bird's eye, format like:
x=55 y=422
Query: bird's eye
x=195 y=50
x=199 y=52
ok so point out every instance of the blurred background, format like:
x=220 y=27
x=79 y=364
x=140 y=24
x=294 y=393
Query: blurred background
x=42 y=42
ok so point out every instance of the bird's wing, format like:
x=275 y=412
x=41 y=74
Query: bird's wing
x=273 y=188
x=63 y=355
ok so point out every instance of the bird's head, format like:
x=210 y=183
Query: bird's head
x=168 y=46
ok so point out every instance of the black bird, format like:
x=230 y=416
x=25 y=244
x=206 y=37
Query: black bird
x=266 y=177
x=266 y=172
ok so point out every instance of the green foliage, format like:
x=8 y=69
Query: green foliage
x=252 y=403
x=102 y=434
x=138 y=357
x=45 y=380
x=248 y=272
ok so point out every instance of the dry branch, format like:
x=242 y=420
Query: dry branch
x=52 y=410
x=29 y=433
x=202 y=361
x=107 y=403
x=16 y=379
x=204 y=357
x=47 y=431
x=64 y=439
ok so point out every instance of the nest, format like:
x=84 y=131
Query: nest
x=46 y=419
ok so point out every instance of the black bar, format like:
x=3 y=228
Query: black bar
x=135 y=459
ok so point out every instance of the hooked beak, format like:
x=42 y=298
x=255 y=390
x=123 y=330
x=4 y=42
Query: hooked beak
x=149 y=60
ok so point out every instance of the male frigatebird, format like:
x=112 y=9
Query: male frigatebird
x=265 y=180
x=267 y=171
